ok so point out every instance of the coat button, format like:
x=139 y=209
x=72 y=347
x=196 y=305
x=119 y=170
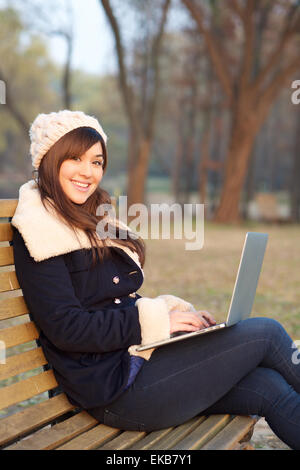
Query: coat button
x=117 y=301
x=132 y=295
x=116 y=280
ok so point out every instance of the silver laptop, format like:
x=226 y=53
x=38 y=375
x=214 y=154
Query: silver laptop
x=243 y=293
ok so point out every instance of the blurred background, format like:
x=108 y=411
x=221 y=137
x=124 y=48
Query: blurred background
x=200 y=100
x=195 y=96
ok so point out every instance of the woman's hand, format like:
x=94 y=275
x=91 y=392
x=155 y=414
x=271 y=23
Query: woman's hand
x=190 y=321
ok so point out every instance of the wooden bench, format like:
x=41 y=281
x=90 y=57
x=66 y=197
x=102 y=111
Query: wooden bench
x=32 y=417
x=268 y=209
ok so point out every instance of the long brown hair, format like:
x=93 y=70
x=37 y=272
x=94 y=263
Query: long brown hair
x=79 y=216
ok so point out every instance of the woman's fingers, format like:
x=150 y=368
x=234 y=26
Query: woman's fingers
x=190 y=321
x=208 y=317
x=187 y=321
x=190 y=318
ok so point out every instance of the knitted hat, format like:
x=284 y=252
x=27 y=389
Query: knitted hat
x=47 y=129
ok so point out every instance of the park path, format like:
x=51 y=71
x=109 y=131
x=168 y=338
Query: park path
x=264 y=439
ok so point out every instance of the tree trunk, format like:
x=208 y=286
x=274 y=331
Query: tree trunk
x=203 y=167
x=138 y=175
x=239 y=152
x=176 y=169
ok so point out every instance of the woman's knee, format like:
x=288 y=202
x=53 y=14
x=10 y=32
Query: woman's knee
x=264 y=326
x=268 y=387
x=258 y=393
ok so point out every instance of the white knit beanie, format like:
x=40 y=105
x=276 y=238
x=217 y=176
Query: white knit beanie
x=47 y=129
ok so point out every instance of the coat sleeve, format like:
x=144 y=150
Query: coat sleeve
x=53 y=305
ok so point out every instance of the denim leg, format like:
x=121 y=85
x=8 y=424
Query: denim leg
x=265 y=392
x=183 y=379
x=282 y=354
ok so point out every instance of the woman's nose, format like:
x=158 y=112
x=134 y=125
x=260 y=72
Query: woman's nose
x=85 y=169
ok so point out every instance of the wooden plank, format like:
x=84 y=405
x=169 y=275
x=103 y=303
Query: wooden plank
x=6 y=232
x=233 y=433
x=91 y=439
x=47 y=439
x=19 y=334
x=8 y=281
x=178 y=434
x=246 y=446
x=124 y=441
x=13 y=307
x=22 y=363
x=151 y=439
x=20 y=391
x=33 y=417
x=8 y=207
x=203 y=433
x=6 y=256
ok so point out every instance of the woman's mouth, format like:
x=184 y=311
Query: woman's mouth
x=81 y=186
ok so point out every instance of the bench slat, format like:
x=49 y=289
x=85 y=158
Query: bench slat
x=229 y=437
x=47 y=439
x=33 y=417
x=149 y=441
x=13 y=307
x=91 y=439
x=19 y=334
x=124 y=441
x=6 y=255
x=6 y=232
x=22 y=363
x=8 y=281
x=27 y=388
x=8 y=207
x=178 y=434
x=211 y=426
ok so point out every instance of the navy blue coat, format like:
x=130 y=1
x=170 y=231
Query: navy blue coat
x=86 y=316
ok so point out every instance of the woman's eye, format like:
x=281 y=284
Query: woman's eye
x=98 y=163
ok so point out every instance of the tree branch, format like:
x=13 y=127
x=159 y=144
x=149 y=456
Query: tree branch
x=154 y=60
x=249 y=34
x=125 y=88
x=269 y=94
x=236 y=7
x=288 y=32
x=221 y=69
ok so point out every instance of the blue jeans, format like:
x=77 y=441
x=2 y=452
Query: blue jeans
x=248 y=368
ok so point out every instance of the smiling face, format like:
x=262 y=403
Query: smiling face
x=80 y=176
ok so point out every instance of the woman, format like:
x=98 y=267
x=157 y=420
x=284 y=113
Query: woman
x=81 y=291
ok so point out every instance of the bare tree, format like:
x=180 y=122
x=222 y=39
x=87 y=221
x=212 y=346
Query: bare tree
x=251 y=86
x=39 y=18
x=140 y=92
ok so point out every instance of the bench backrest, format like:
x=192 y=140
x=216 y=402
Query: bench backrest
x=267 y=206
x=22 y=362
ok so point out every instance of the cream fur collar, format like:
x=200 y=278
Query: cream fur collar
x=44 y=234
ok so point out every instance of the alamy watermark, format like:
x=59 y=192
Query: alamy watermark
x=2 y=92
x=296 y=94
x=296 y=353
x=187 y=222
